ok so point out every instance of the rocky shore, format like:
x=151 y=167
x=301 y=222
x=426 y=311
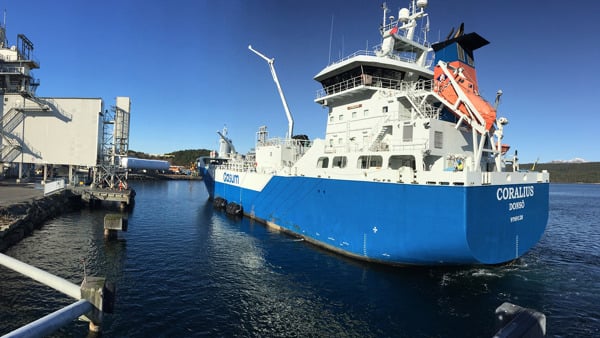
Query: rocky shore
x=19 y=219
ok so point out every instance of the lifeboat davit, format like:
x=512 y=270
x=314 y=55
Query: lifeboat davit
x=456 y=80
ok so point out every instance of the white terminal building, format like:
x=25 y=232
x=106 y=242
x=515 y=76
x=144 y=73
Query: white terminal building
x=51 y=132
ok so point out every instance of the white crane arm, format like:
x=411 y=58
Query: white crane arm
x=274 y=74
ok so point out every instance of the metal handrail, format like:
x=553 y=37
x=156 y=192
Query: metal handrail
x=41 y=276
x=375 y=82
x=91 y=300
x=365 y=52
x=53 y=321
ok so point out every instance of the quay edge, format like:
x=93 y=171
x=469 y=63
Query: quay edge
x=19 y=219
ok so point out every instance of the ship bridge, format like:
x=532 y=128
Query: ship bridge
x=366 y=74
x=400 y=58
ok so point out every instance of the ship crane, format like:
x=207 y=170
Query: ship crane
x=274 y=74
x=226 y=147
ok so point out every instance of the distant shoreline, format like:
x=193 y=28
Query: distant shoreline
x=584 y=173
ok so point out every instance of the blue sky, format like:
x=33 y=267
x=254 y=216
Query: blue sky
x=186 y=66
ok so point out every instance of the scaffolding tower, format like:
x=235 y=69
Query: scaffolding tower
x=109 y=172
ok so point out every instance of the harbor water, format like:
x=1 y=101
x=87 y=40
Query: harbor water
x=185 y=270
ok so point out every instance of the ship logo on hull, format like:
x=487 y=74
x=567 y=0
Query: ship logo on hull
x=511 y=193
x=231 y=178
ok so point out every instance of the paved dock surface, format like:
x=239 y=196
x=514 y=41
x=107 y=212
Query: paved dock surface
x=12 y=193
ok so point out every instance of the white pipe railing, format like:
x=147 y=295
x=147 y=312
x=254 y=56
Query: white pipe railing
x=53 y=321
x=42 y=276
x=93 y=297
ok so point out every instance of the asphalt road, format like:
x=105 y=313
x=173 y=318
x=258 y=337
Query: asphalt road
x=11 y=192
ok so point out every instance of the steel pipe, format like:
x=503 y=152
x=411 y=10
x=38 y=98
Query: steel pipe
x=53 y=321
x=41 y=276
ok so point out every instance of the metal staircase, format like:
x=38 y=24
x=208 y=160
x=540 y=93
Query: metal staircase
x=12 y=142
x=51 y=106
x=376 y=145
x=11 y=148
x=10 y=151
x=13 y=145
x=418 y=100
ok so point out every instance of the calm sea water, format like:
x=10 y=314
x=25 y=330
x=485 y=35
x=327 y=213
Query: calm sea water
x=184 y=270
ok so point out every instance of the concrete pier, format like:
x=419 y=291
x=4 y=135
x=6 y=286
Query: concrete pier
x=90 y=195
x=113 y=223
x=102 y=295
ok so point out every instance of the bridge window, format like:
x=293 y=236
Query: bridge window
x=398 y=161
x=339 y=162
x=461 y=52
x=365 y=162
x=323 y=162
x=384 y=109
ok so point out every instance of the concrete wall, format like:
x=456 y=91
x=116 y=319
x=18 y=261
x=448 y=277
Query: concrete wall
x=69 y=132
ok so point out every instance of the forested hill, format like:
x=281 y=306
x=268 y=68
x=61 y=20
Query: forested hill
x=181 y=157
x=588 y=172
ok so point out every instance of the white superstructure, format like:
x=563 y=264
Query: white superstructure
x=389 y=121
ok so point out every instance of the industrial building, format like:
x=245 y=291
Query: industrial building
x=48 y=132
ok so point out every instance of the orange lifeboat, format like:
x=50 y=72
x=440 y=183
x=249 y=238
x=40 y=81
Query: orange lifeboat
x=466 y=78
x=456 y=82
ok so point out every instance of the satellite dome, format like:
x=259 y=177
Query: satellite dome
x=403 y=14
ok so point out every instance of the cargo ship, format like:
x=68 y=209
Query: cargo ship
x=412 y=169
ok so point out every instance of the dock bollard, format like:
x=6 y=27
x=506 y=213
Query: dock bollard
x=112 y=224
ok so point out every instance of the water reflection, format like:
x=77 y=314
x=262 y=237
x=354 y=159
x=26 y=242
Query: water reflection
x=184 y=269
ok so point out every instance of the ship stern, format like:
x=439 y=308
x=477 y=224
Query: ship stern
x=505 y=221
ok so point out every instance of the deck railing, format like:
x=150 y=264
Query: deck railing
x=375 y=82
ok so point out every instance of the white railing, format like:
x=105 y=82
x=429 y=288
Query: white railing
x=239 y=166
x=54 y=186
x=18 y=57
x=361 y=80
x=364 y=52
x=415 y=145
x=375 y=82
x=18 y=70
x=91 y=298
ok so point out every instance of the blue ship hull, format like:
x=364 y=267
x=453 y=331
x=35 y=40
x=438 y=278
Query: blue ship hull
x=400 y=223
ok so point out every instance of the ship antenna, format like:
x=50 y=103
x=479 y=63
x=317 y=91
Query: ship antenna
x=330 y=39
x=385 y=9
x=426 y=29
x=285 y=105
